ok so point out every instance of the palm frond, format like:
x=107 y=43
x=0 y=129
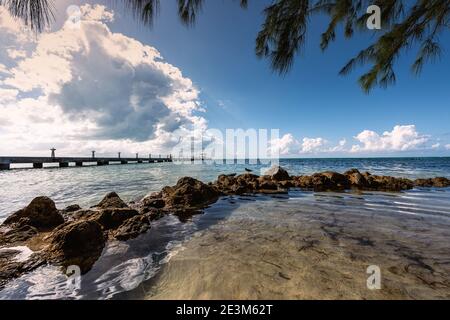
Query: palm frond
x=36 y=14
x=284 y=30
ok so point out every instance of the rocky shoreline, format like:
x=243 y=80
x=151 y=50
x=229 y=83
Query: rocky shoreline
x=77 y=236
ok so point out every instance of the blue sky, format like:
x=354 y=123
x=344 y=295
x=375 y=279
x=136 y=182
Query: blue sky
x=238 y=90
x=218 y=54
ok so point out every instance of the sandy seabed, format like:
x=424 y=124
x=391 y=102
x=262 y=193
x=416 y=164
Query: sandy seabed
x=281 y=249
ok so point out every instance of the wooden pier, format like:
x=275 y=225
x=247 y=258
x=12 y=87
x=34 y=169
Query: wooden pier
x=38 y=162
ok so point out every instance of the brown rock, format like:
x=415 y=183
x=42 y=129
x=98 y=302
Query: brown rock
x=232 y=184
x=83 y=214
x=111 y=200
x=189 y=193
x=266 y=184
x=11 y=268
x=356 y=179
x=333 y=181
x=351 y=171
x=246 y=183
x=424 y=183
x=239 y=190
x=17 y=235
x=277 y=173
x=132 y=228
x=78 y=243
x=339 y=181
x=185 y=215
x=157 y=203
x=225 y=182
x=438 y=182
x=71 y=208
x=113 y=218
x=441 y=182
x=304 y=182
x=246 y=179
x=41 y=214
x=329 y=181
x=155 y=214
x=386 y=183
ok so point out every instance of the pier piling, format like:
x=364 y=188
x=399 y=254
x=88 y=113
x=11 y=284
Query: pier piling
x=4 y=166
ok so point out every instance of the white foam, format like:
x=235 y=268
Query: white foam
x=23 y=255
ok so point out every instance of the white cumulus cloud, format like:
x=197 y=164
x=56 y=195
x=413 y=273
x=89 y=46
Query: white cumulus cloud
x=286 y=145
x=289 y=145
x=401 y=138
x=92 y=85
x=312 y=144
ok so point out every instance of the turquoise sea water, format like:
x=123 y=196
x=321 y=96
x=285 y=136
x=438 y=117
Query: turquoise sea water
x=86 y=186
x=125 y=267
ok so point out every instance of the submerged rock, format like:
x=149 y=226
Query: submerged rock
x=11 y=268
x=41 y=214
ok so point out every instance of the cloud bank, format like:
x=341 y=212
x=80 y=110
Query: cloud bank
x=402 y=138
x=93 y=85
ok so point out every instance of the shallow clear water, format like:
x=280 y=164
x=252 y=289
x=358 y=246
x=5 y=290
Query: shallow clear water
x=316 y=246
x=142 y=267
